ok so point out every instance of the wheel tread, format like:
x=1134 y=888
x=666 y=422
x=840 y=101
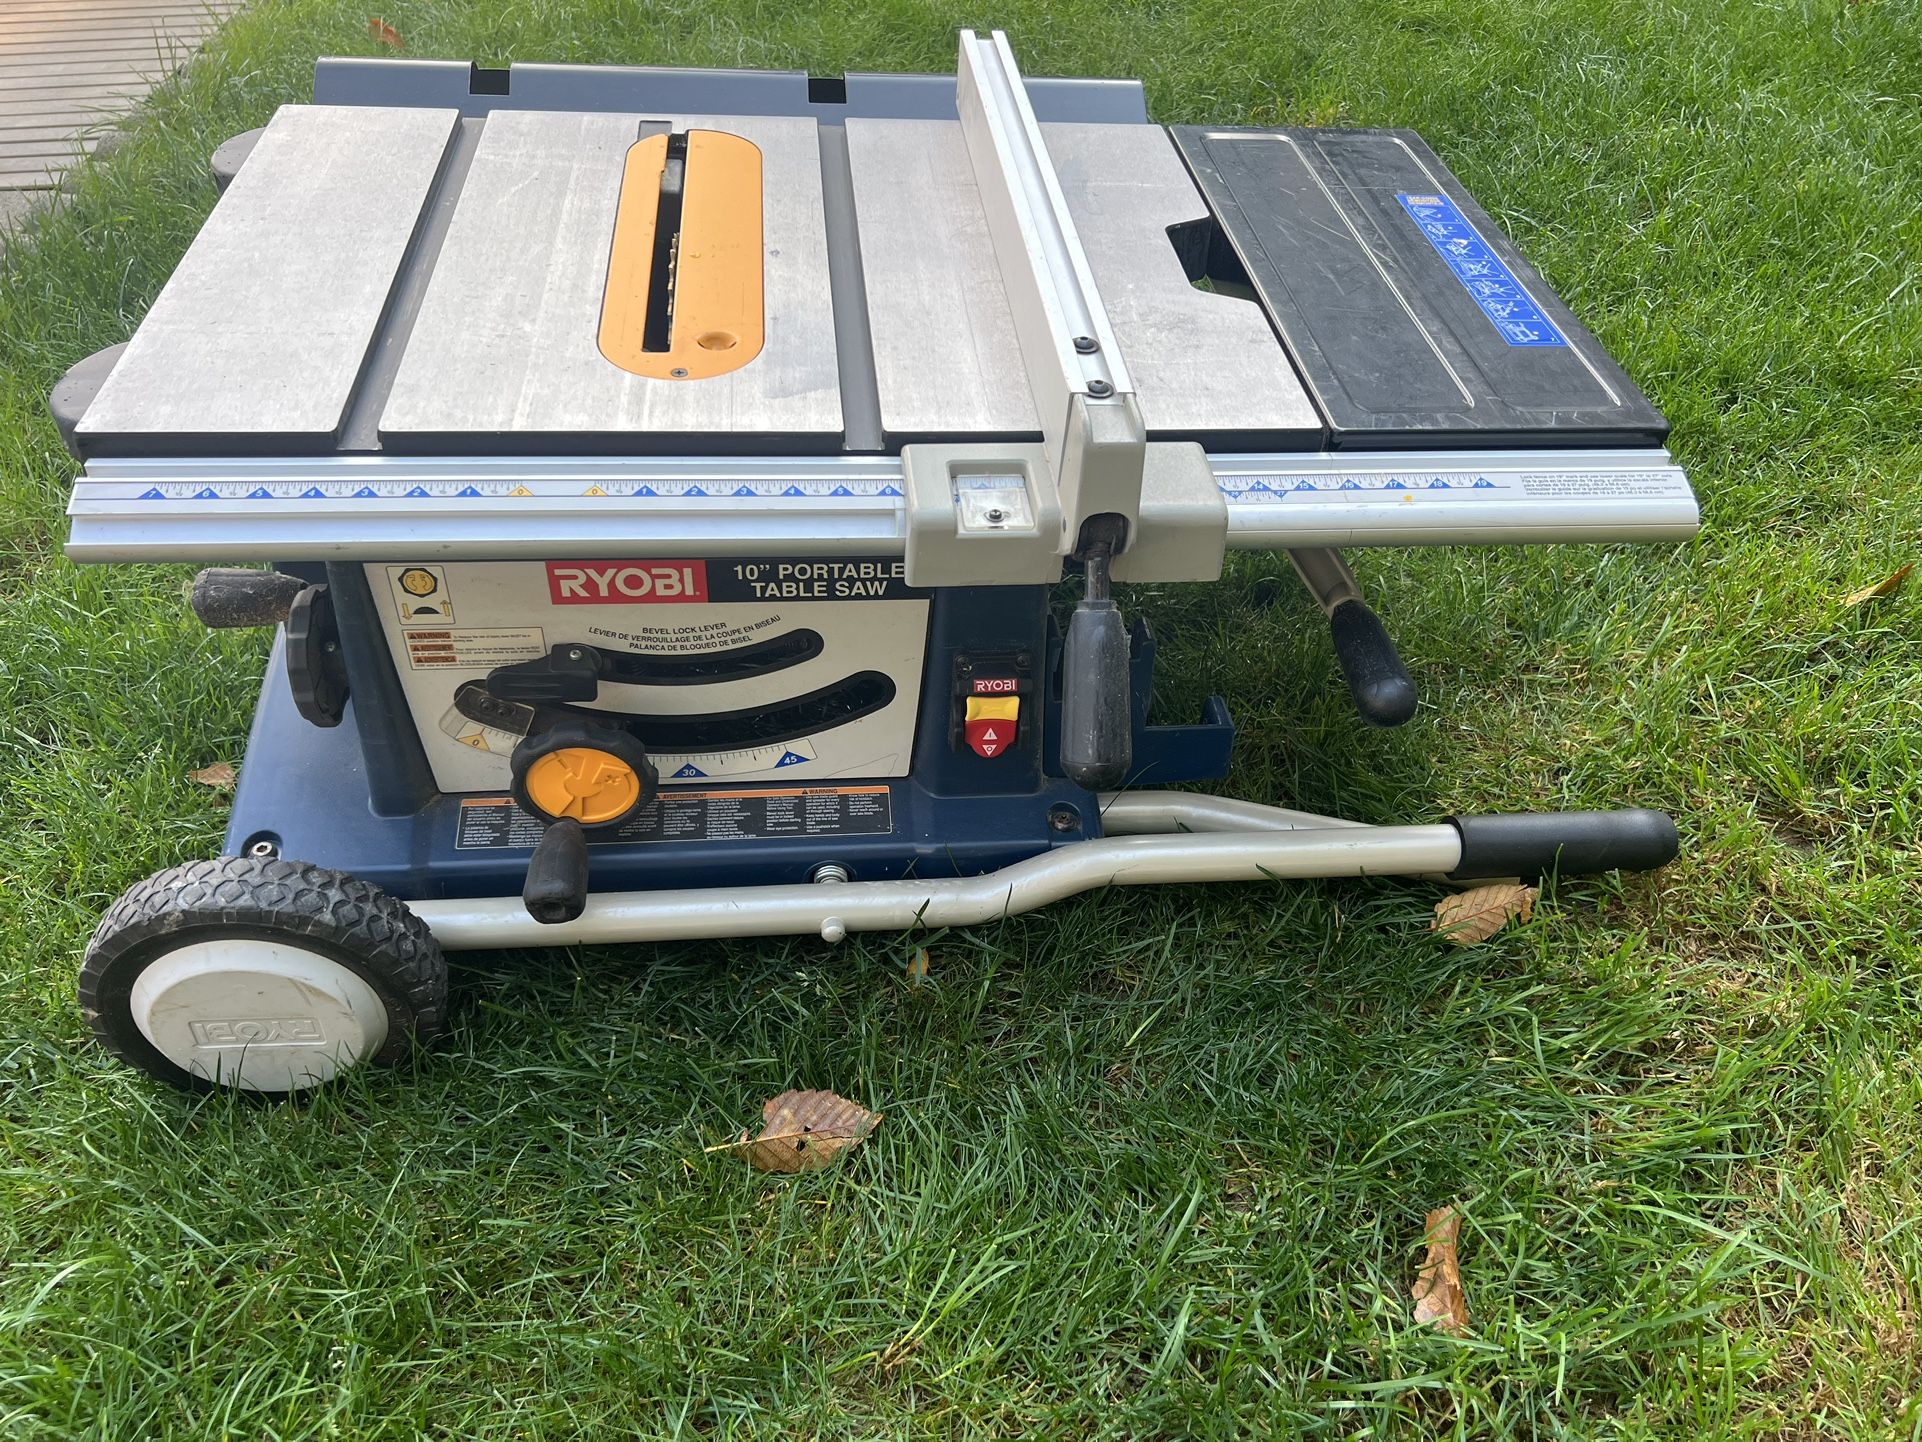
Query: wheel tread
x=295 y=897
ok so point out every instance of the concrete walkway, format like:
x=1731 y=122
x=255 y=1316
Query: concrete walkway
x=68 y=68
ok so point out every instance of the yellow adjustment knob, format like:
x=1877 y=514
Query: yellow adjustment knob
x=591 y=786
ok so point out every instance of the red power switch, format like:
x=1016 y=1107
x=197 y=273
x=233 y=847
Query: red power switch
x=990 y=723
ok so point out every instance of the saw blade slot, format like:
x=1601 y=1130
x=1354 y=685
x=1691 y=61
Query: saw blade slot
x=657 y=329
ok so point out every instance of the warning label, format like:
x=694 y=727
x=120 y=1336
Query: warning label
x=473 y=646
x=492 y=823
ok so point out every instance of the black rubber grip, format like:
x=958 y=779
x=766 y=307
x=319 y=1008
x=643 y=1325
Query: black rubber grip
x=556 y=886
x=1570 y=843
x=227 y=597
x=1097 y=735
x=1383 y=691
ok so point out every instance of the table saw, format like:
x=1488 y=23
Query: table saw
x=692 y=503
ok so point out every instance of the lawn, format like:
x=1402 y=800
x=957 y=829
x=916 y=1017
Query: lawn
x=1154 y=1164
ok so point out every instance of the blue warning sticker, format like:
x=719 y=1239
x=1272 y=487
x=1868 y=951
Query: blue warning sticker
x=1516 y=316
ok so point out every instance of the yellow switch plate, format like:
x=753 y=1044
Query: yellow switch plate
x=994 y=708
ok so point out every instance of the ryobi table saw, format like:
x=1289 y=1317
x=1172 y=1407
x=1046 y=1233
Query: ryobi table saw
x=666 y=476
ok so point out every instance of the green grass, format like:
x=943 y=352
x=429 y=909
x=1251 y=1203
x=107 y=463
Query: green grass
x=1154 y=1164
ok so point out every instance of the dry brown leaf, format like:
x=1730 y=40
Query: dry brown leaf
x=1887 y=586
x=220 y=776
x=384 y=33
x=1467 y=917
x=918 y=966
x=802 y=1132
x=1439 y=1298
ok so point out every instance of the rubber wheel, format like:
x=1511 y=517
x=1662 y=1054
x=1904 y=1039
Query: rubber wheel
x=261 y=975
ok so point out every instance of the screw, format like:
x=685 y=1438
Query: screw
x=994 y=515
x=679 y=373
x=265 y=850
x=1063 y=818
x=573 y=653
x=1086 y=344
x=1100 y=388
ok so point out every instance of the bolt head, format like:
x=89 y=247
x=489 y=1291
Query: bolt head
x=1100 y=388
x=1086 y=344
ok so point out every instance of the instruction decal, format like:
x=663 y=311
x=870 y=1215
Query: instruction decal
x=495 y=823
x=421 y=597
x=1513 y=311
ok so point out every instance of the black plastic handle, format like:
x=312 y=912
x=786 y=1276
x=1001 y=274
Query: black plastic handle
x=556 y=887
x=1097 y=736
x=1382 y=689
x=1571 y=843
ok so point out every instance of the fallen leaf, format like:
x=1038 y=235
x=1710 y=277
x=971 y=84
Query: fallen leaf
x=802 y=1132
x=220 y=776
x=384 y=33
x=918 y=966
x=1466 y=917
x=1439 y=1298
x=1887 y=586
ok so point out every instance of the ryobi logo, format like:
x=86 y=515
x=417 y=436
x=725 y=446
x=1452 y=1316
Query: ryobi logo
x=257 y=1031
x=613 y=583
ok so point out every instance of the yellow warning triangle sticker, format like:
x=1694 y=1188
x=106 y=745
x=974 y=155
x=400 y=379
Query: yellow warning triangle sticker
x=520 y=491
x=593 y=491
x=478 y=742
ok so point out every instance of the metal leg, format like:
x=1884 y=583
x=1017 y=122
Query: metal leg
x=833 y=911
x=1159 y=813
x=1326 y=575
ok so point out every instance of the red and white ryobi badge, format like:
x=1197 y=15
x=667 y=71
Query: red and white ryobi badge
x=616 y=583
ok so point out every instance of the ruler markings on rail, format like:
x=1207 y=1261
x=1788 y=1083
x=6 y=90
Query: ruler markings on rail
x=857 y=489
x=1238 y=488
x=1279 y=489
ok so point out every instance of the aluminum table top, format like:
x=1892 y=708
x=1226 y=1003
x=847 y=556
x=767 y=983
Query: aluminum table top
x=383 y=279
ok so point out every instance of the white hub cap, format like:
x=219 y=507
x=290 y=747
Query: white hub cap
x=261 y=1015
